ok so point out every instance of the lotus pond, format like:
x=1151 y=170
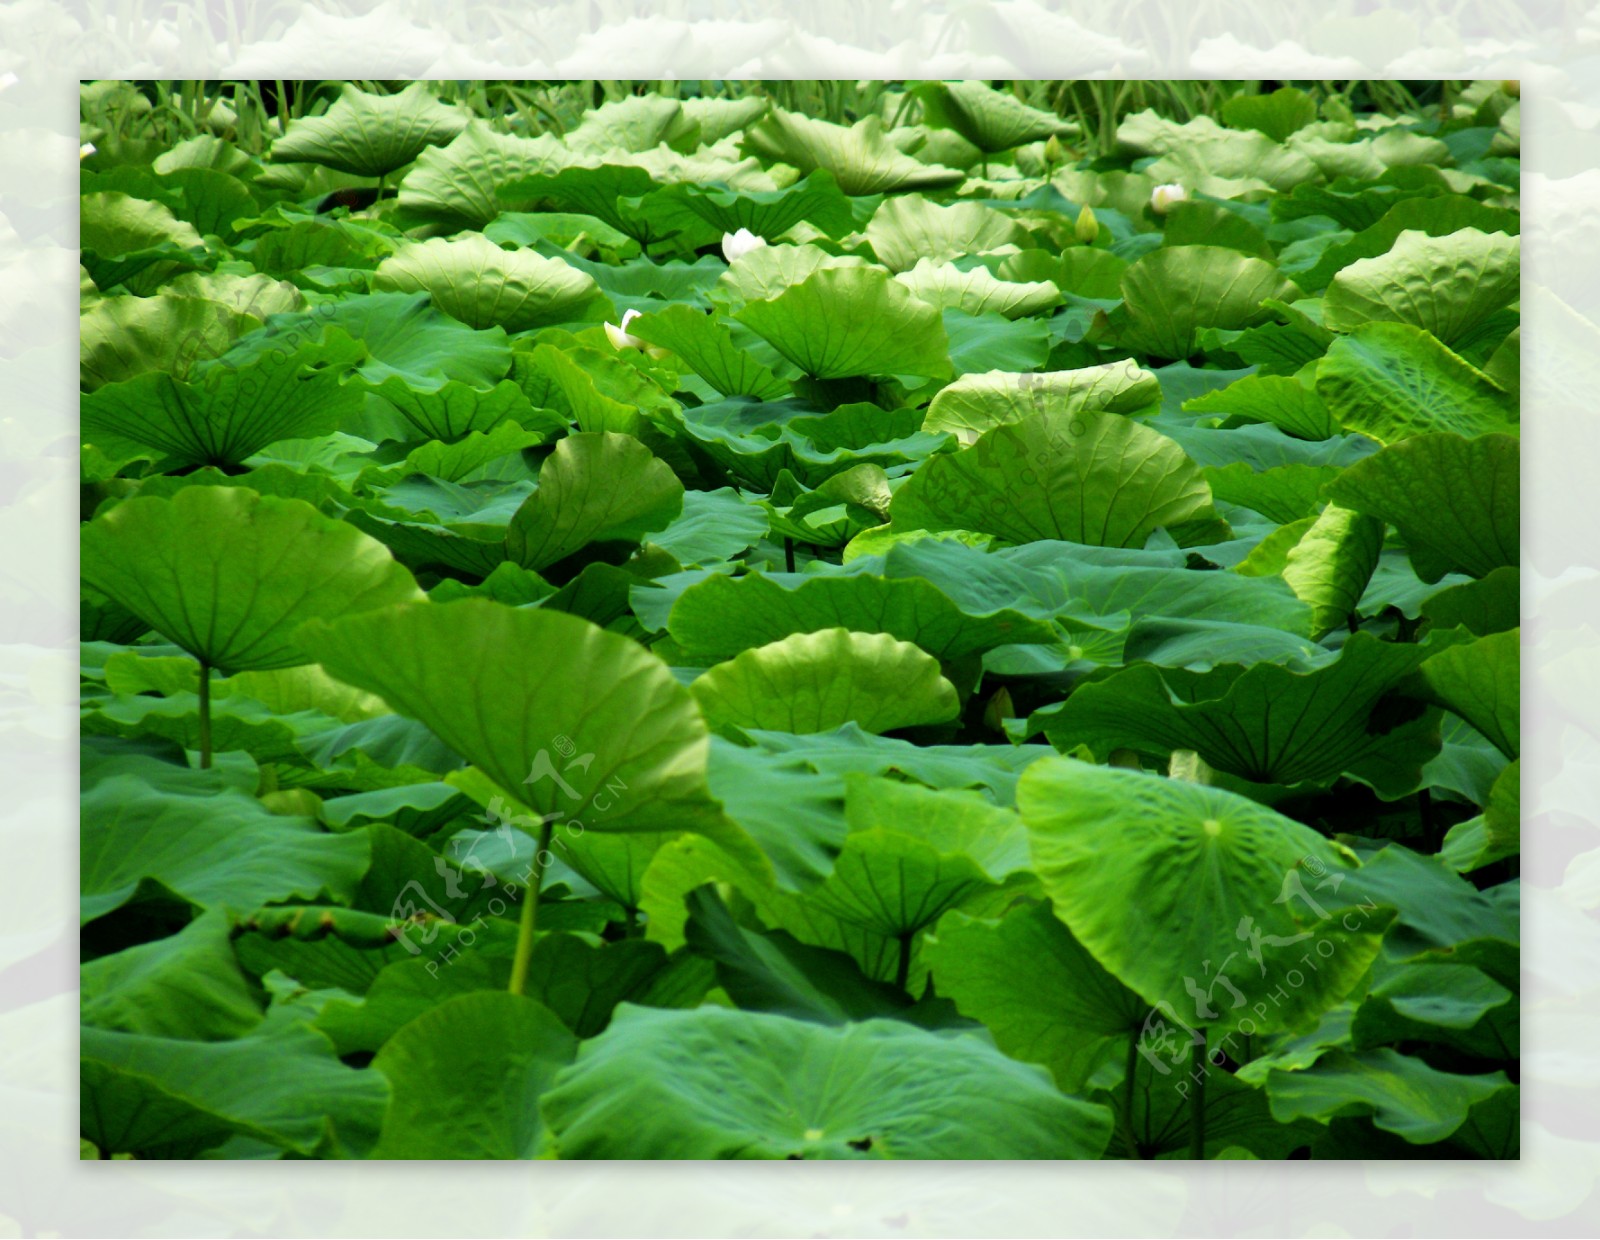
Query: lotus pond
x=800 y=620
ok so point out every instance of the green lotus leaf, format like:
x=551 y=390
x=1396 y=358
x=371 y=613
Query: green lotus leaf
x=455 y=461
x=122 y=337
x=475 y=281
x=636 y=123
x=1482 y=682
x=722 y=615
x=707 y=347
x=175 y=1098
x=714 y=527
x=1283 y=401
x=123 y=237
x=1234 y=165
x=509 y=689
x=1265 y=723
x=1277 y=115
x=1437 y=216
x=213 y=201
x=1172 y=294
x=858 y=156
x=977 y=291
x=1455 y=501
x=1285 y=493
x=912 y=854
x=1331 y=564
x=1392 y=381
x=1199 y=900
x=224 y=415
x=1453 y=1004
x=990 y=119
x=455 y=410
x=465 y=1078
x=908 y=229
x=1091 y=477
x=404 y=335
x=1045 y=998
x=763 y=273
x=146 y=822
x=458 y=185
x=592 y=488
x=370 y=135
x=256 y=295
x=816 y=200
x=230 y=575
x=1491 y=604
x=654 y=1086
x=814 y=682
x=841 y=322
x=975 y=403
x=338 y=252
x=606 y=192
x=188 y=985
x=1444 y=285
x=1196 y=221
x=1403 y=1094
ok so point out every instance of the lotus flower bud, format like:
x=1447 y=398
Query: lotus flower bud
x=86 y=150
x=1054 y=152
x=1164 y=197
x=737 y=244
x=620 y=338
x=1087 y=228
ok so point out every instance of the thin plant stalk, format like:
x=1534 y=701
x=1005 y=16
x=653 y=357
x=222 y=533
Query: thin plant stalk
x=530 y=912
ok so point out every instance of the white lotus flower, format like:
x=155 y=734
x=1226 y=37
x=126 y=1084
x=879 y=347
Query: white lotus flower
x=84 y=151
x=619 y=337
x=736 y=245
x=1164 y=197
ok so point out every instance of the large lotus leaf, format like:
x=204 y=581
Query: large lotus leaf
x=1284 y=493
x=858 y=156
x=724 y=615
x=174 y=1098
x=914 y=853
x=975 y=403
x=593 y=488
x=256 y=295
x=452 y=462
x=977 y=291
x=654 y=1085
x=465 y=1078
x=227 y=414
x=404 y=336
x=1277 y=115
x=188 y=985
x=763 y=273
x=206 y=845
x=511 y=690
x=767 y=213
x=1437 y=216
x=121 y=337
x=606 y=192
x=474 y=280
x=990 y=119
x=841 y=322
x=909 y=228
x=1282 y=400
x=636 y=123
x=230 y=575
x=1168 y=883
x=714 y=527
x=1403 y=1094
x=814 y=682
x=1265 y=723
x=1455 y=501
x=455 y=410
x=122 y=236
x=1172 y=294
x=597 y=387
x=1454 y=1004
x=1444 y=285
x=458 y=186
x=1044 y=998
x=706 y=345
x=1097 y=478
x=1482 y=682
x=370 y=135
x=1391 y=381
x=1331 y=564
x=1491 y=604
